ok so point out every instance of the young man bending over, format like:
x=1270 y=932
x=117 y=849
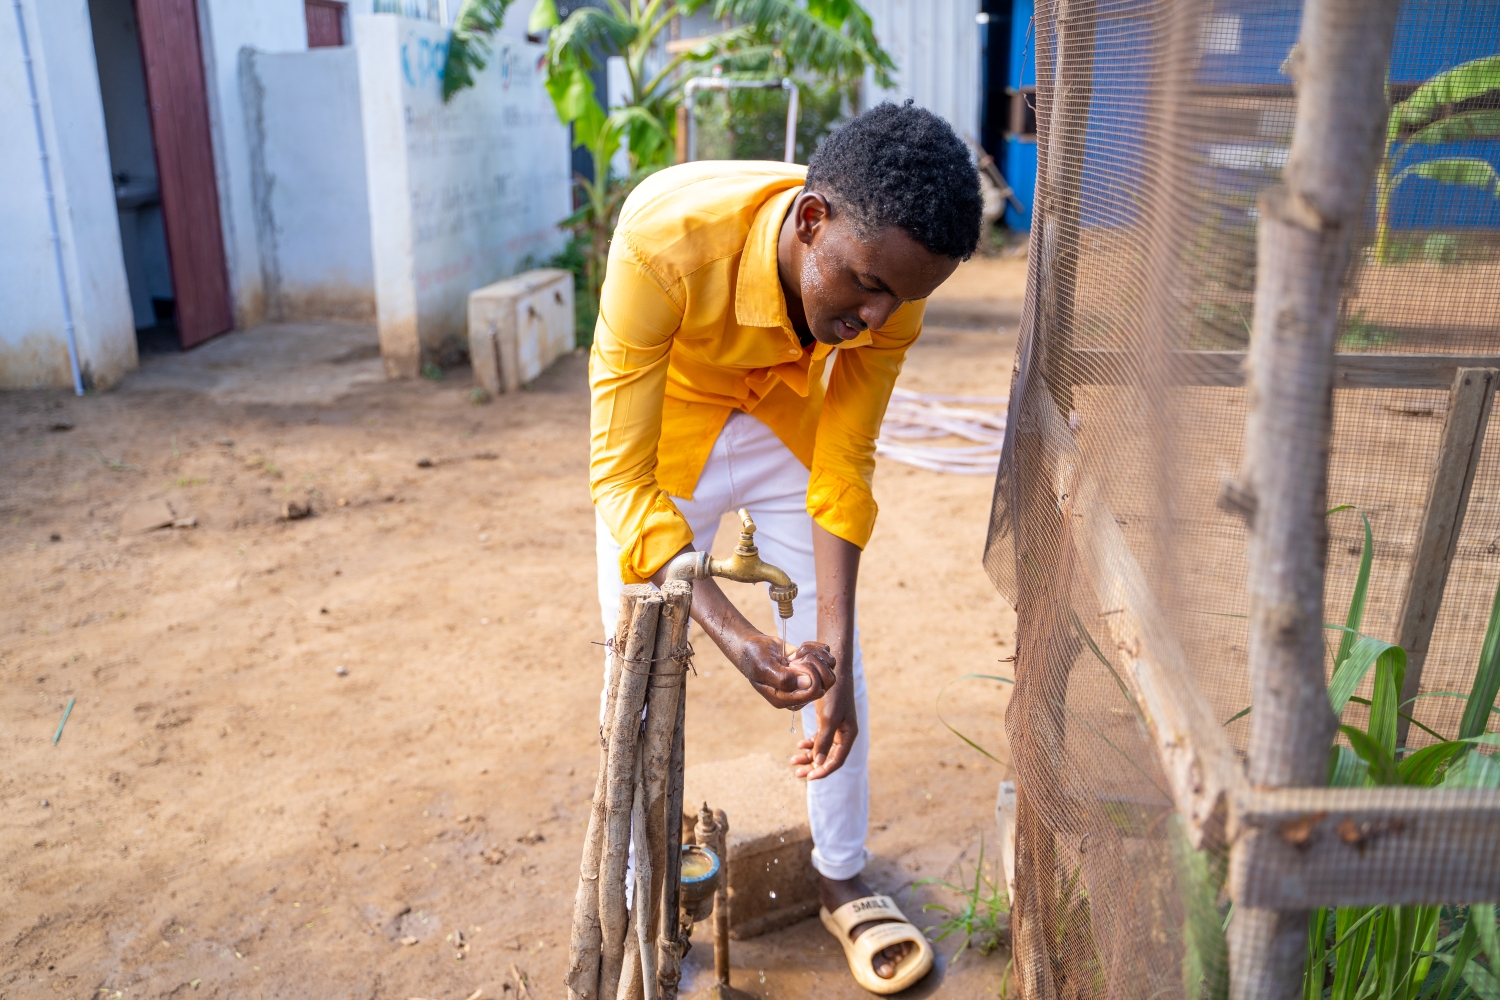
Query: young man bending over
x=753 y=320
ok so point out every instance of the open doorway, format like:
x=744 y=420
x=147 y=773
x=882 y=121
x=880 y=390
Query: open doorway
x=132 y=162
x=161 y=157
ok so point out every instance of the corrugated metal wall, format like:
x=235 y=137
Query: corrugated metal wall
x=935 y=44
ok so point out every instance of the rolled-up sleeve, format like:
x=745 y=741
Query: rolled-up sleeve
x=639 y=313
x=839 y=489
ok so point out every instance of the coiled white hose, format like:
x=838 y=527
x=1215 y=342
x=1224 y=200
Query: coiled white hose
x=915 y=416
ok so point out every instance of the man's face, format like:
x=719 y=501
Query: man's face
x=850 y=284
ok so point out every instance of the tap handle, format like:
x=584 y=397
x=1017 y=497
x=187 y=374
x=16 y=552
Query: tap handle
x=747 y=535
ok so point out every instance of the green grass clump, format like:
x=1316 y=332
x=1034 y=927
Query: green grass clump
x=983 y=916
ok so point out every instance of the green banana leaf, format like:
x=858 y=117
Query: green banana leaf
x=1467 y=171
x=1461 y=83
x=1483 y=124
x=469 y=48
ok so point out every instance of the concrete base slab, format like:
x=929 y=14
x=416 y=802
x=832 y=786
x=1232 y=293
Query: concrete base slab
x=277 y=364
x=772 y=882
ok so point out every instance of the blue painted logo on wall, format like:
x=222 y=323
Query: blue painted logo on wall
x=431 y=57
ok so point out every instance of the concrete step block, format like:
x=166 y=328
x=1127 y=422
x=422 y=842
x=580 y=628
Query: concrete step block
x=772 y=882
x=519 y=326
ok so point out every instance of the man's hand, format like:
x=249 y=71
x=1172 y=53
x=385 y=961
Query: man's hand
x=838 y=726
x=785 y=683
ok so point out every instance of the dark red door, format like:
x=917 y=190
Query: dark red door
x=325 y=23
x=185 y=166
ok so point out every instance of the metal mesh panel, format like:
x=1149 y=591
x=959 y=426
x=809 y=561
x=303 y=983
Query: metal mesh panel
x=1159 y=124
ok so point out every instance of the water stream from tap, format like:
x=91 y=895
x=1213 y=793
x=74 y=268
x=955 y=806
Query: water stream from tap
x=782 y=624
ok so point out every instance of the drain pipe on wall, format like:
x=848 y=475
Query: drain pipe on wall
x=57 y=254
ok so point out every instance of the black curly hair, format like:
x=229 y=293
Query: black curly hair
x=901 y=165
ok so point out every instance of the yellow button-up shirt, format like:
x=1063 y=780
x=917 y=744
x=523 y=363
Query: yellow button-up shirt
x=692 y=326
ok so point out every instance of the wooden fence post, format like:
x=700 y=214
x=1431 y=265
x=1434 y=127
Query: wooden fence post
x=1469 y=404
x=1306 y=229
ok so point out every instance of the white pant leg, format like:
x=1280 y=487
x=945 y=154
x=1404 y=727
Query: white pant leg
x=750 y=467
x=771 y=484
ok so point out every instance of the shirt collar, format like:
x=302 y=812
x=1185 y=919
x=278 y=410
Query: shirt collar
x=758 y=298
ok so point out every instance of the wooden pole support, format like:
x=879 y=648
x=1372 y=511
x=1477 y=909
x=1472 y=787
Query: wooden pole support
x=661 y=725
x=582 y=978
x=634 y=670
x=671 y=946
x=1304 y=847
x=1305 y=232
x=1469 y=405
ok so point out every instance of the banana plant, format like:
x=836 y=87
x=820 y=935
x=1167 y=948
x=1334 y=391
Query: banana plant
x=1439 y=111
x=833 y=40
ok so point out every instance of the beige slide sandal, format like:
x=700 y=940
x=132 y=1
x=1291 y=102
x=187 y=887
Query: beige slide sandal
x=861 y=951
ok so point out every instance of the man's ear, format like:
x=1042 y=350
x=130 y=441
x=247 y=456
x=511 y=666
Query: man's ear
x=810 y=213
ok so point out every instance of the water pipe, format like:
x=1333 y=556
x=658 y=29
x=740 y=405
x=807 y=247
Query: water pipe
x=57 y=254
x=697 y=83
x=744 y=566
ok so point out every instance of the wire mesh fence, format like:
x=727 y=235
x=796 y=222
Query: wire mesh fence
x=1119 y=534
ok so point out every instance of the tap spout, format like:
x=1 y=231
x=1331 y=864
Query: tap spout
x=743 y=565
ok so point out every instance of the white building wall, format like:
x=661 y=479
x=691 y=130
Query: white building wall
x=33 y=344
x=936 y=47
x=461 y=194
x=312 y=207
x=226 y=27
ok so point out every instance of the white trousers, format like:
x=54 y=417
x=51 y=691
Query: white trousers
x=751 y=468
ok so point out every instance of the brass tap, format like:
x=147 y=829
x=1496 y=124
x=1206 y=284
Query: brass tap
x=744 y=566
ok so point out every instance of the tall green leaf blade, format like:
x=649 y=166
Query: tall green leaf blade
x=1362 y=656
x=1481 y=981
x=1357 y=600
x=1350 y=955
x=1462 y=951
x=1390 y=674
x=1481 y=698
x=1315 y=968
x=1474 y=770
x=1427 y=766
x=1424 y=941
x=1382 y=766
x=1482 y=916
x=1346 y=769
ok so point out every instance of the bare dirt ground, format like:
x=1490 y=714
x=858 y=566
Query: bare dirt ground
x=296 y=743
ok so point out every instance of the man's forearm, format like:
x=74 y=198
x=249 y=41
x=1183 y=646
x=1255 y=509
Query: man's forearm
x=715 y=613
x=838 y=574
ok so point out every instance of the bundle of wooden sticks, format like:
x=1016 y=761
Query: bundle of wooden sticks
x=632 y=949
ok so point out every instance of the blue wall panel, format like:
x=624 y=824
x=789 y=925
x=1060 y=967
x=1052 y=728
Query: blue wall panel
x=1245 y=44
x=1020 y=170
